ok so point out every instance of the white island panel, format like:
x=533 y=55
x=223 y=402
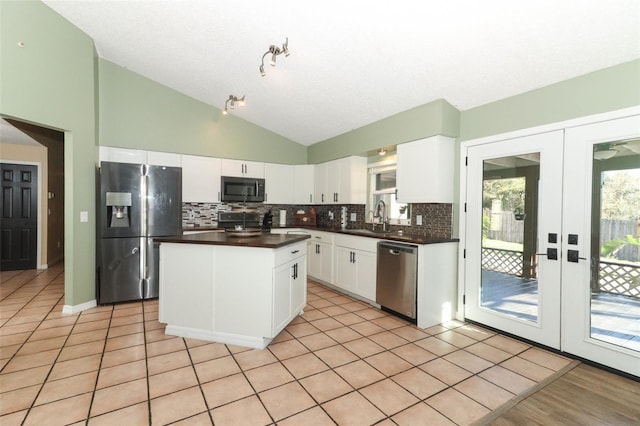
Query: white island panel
x=190 y=292
x=243 y=290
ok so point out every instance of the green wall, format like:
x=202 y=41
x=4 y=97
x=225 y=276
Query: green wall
x=51 y=82
x=604 y=90
x=434 y=118
x=136 y=112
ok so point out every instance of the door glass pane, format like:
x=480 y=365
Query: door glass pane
x=509 y=267
x=615 y=245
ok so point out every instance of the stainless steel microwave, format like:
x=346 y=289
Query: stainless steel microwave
x=240 y=189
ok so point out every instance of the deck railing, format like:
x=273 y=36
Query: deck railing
x=499 y=260
x=617 y=277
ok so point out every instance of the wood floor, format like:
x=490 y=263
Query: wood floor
x=584 y=396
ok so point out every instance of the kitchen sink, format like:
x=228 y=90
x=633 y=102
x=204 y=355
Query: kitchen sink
x=366 y=231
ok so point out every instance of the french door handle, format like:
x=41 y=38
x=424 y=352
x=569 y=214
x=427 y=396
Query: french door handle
x=552 y=254
x=574 y=256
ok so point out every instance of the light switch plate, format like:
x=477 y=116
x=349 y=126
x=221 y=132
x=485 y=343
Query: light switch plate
x=419 y=219
x=84 y=216
x=354 y=217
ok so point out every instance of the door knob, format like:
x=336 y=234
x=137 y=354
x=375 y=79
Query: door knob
x=552 y=254
x=574 y=256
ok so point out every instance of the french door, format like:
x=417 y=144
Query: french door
x=552 y=239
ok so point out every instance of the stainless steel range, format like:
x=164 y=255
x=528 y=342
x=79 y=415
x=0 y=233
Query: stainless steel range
x=246 y=219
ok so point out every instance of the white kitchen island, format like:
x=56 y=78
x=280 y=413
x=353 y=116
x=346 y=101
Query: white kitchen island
x=241 y=291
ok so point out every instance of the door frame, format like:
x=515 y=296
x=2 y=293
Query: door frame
x=39 y=226
x=560 y=125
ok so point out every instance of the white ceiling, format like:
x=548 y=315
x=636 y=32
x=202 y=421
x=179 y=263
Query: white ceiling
x=11 y=134
x=356 y=62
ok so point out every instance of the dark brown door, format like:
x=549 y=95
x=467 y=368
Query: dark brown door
x=18 y=203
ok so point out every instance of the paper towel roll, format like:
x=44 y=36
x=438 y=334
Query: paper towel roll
x=283 y=217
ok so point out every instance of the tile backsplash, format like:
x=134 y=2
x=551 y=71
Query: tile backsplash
x=437 y=218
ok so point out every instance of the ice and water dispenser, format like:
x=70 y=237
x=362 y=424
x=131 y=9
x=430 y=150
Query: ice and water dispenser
x=118 y=209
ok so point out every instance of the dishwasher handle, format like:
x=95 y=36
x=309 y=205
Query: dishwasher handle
x=397 y=249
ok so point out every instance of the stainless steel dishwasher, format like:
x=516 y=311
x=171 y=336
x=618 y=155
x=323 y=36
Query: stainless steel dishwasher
x=396 y=278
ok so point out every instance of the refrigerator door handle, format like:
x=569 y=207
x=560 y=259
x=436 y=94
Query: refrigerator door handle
x=143 y=260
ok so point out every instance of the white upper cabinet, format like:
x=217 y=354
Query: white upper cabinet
x=241 y=168
x=138 y=156
x=342 y=181
x=303 y=184
x=164 y=159
x=424 y=171
x=200 y=179
x=279 y=180
x=320 y=190
x=352 y=182
x=122 y=155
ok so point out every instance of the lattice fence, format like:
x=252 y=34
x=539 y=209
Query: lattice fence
x=620 y=278
x=507 y=261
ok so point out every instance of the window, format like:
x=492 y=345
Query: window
x=382 y=186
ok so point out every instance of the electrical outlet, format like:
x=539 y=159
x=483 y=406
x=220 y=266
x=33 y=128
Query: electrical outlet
x=419 y=219
x=330 y=215
x=354 y=217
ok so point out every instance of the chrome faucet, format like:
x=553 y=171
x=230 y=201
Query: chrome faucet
x=381 y=216
x=372 y=218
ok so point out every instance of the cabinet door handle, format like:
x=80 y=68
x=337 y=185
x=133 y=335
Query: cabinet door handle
x=310 y=198
x=323 y=198
x=295 y=251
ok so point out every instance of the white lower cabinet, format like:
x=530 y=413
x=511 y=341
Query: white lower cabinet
x=345 y=269
x=355 y=265
x=289 y=289
x=356 y=271
x=320 y=260
x=320 y=256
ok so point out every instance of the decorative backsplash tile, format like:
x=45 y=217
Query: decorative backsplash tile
x=437 y=218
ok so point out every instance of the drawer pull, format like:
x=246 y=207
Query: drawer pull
x=295 y=251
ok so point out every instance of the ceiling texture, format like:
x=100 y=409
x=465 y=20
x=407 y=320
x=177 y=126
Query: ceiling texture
x=355 y=62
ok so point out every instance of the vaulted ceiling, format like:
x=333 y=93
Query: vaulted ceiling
x=355 y=62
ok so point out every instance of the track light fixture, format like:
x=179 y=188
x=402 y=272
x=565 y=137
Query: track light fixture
x=382 y=151
x=274 y=51
x=231 y=102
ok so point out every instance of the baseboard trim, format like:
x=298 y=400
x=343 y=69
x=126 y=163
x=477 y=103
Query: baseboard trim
x=218 y=336
x=74 y=309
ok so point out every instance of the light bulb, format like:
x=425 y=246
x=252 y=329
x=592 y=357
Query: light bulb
x=225 y=112
x=273 y=60
x=262 y=73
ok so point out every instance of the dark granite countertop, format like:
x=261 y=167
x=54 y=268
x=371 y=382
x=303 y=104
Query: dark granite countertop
x=264 y=240
x=393 y=236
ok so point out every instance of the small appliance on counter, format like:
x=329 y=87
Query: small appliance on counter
x=267 y=221
x=283 y=218
x=300 y=218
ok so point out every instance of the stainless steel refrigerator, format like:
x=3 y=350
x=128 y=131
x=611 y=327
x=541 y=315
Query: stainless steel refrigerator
x=136 y=203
